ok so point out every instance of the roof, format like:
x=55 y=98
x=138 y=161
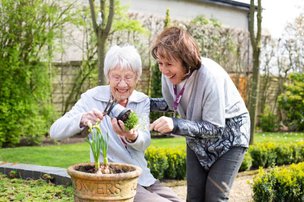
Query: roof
x=229 y=3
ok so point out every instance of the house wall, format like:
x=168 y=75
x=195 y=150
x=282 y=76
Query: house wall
x=234 y=17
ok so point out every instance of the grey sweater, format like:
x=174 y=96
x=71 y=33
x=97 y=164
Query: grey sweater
x=214 y=117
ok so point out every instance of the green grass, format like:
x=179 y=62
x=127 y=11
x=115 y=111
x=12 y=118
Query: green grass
x=69 y=154
x=168 y=142
x=54 y=155
x=278 y=137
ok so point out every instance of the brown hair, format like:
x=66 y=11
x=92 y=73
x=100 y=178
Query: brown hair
x=177 y=44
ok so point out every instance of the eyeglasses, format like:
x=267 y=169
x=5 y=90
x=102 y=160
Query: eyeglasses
x=127 y=78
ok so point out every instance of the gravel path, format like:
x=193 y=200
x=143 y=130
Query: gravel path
x=241 y=189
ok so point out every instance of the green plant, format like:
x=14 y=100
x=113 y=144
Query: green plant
x=268 y=121
x=132 y=121
x=291 y=102
x=29 y=33
x=280 y=184
x=99 y=142
x=18 y=189
x=247 y=162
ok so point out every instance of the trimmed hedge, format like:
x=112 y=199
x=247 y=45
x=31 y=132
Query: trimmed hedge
x=280 y=184
x=270 y=154
x=170 y=163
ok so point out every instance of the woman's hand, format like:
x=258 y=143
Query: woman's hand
x=119 y=128
x=163 y=125
x=91 y=117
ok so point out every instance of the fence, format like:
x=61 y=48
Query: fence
x=65 y=73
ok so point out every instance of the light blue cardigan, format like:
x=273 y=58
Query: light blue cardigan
x=132 y=153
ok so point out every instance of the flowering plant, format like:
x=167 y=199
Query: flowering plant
x=99 y=141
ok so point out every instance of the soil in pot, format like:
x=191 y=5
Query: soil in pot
x=112 y=169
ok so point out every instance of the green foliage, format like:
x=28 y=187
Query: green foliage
x=202 y=20
x=166 y=157
x=292 y=102
x=167 y=20
x=268 y=121
x=215 y=41
x=177 y=163
x=33 y=190
x=157 y=161
x=156 y=91
x=284 y=184
x=247 y=162
x=263 y=155
x=271 y=154
x=28 y=30
x=132 y=121
x=98 y=142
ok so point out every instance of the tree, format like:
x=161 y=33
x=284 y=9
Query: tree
x=255 y=38
x=102 y=25
x=29 y=30
x=291 y=102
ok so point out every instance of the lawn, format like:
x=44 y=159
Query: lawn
x=278 y=137
x=67 y=154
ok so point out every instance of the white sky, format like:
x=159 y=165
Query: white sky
x=277 y=13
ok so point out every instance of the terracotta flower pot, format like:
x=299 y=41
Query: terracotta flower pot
x=105 y=187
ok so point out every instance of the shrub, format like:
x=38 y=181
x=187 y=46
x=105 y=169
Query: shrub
x=28 y=30
x=268 y=121
x=284 y=184
x=291 y=102
x=263 y=155
x=177 y=163
x=247 y=162
x=157 y=161
x=170 y=163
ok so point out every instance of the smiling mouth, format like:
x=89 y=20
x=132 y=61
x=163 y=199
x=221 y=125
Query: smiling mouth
x=170 y=77
x=121 y=90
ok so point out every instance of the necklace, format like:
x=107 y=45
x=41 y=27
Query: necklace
x=178 y=97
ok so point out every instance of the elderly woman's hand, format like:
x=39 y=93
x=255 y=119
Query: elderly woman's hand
x=91 y=117
x=119 y=128
x=163 y=125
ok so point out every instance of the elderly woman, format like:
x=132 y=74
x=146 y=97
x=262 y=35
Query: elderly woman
x=122 y=68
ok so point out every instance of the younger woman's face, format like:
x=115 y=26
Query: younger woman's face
x=172 y=69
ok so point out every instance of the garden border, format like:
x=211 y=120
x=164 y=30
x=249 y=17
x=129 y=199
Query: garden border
x=56 y=175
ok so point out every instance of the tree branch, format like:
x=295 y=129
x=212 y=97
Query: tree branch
x=93 y=15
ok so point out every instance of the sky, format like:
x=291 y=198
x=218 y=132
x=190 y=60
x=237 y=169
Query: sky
x=277 y=13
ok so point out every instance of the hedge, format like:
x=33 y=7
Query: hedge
x=280 y=184
x=170 y=163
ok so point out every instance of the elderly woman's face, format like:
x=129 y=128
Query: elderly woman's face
x=122 y=83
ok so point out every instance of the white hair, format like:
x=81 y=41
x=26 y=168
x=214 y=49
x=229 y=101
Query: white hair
x=125 y=57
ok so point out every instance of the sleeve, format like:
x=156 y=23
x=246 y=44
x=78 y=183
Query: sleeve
x=69 y=124
x=159 y=105
x=196 y=129
x=144 y=139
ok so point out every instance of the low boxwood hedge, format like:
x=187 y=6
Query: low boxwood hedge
x=280 y=184
x=171 y=163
